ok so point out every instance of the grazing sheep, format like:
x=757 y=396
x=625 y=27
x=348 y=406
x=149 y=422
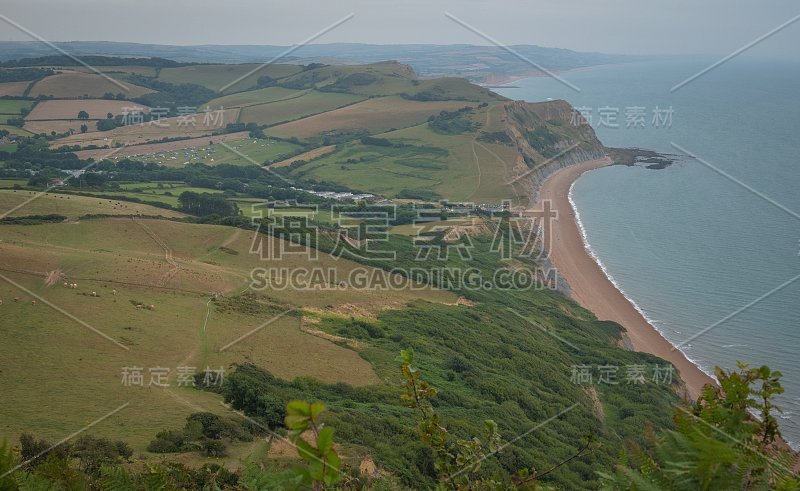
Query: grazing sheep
x=33 y=302
x=66 y=285
x=113 y=292
x=152 y=307
x=1 y=301
x=16 y=299
x=94 y=294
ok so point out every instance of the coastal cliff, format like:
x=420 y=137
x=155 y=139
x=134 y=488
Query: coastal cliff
x=548 y=136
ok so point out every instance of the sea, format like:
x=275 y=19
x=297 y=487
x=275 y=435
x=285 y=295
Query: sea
x=708 y=248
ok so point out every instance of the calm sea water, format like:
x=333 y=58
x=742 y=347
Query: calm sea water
x=693 y=248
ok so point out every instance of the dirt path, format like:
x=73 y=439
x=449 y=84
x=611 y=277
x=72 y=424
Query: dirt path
x=478 y=166
x=166 y=277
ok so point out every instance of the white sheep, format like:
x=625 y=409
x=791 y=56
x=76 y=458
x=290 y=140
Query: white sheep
x=66 y=285
x=33 y=302
x=113 y=292
x=94 y=294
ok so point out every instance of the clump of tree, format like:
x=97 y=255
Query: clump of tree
x=204 y=432
x=33 y=219
x=378 y=142
x=203 y=204
x=93 y=60
x=453 y=122
x=727 y=439
x=24 y=74
x=170 y=95
x=495 y=137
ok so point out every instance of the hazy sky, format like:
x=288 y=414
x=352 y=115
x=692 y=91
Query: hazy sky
x=615 y=26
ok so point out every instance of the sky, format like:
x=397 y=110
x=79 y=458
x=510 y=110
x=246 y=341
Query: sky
x=611 y=26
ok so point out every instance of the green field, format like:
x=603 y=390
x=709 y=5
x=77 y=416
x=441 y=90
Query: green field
x=147 y=71
x=169 y=193
x=15 y=130
x=374 y=115
x=10 y=183
x=428 y=164
x=288 y=110
x=217 y=76
x=260 y=151
x=70 y=85
x=74 y=206
x=11 y=106
x=251 y=97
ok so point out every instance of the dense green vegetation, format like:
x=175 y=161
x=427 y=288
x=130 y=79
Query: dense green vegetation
x=453 y=122
x=716 y=444
x=24 y=74
x=92 y=60
x=171 y=95
x=203 y=204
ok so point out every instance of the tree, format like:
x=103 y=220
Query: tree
x=84 y=128
x=83 y=115
x=94 y=453
x=203 y=204
x=457 y=462
x=718 y=443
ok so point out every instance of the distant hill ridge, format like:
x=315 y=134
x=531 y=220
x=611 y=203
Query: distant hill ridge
x=496 y=63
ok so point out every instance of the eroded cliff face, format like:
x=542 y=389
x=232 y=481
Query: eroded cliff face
x=548 y=136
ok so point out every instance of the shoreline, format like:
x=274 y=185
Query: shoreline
x=591 y=286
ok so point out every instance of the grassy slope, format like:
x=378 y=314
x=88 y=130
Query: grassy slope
x=258 y=96
x=288 y=110
x=74 y=206
x=259 y=151
x=75 y=84
x=457 y=167
x=60 y=373
x=217 y=76
x=373 y=116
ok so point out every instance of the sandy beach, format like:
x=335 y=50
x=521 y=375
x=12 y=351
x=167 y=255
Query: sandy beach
x=593 y=290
